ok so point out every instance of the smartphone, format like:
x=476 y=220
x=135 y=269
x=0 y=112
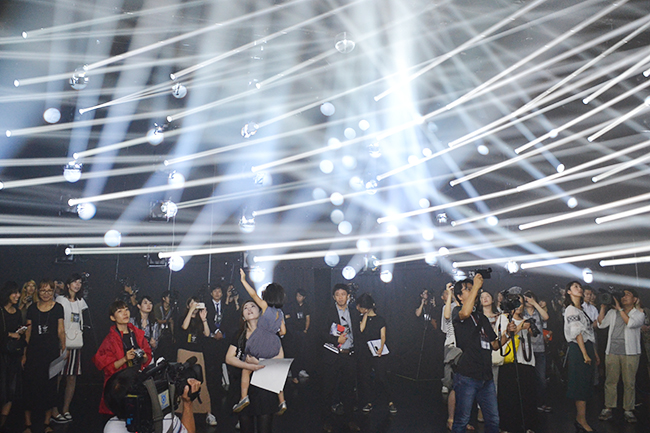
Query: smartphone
x=21 y=330
x=200 y=305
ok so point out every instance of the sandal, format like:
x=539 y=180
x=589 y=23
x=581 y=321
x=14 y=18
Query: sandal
x=48 y=429
x=450 y=423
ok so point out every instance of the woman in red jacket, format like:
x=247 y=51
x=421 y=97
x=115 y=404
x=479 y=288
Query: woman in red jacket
x=121 y=348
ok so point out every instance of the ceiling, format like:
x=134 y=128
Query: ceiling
x=365 y=133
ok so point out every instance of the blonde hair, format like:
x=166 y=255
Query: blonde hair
x=23 y=293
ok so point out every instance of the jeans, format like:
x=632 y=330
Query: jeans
x=467 y=390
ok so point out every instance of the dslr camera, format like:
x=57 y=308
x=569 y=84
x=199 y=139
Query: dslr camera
x=485 y=273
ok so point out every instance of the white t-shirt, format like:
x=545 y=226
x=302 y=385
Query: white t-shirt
x=115 y=425
x=73 y=321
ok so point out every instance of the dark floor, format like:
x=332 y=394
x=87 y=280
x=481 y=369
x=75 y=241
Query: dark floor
x=420 y=409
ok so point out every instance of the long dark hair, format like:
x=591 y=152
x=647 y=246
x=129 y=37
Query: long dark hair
x=196 y=324
x=567 y=296
x=243 y=324
x=494 y=306
x=9 y=289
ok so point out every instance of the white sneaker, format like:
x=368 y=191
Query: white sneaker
x=445 y=390
x=210 y=419
x=237 y=427
x=303 y=373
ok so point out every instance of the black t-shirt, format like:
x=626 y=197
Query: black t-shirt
x=371 y=332
x=45 y=326
x=298 y=317
x=474 y=336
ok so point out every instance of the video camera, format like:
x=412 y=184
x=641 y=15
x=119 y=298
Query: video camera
x=485 y=273
x=607 y=296
x=155 y=391
x=510 y=302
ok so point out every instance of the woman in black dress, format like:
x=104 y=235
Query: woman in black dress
x=13 y=344
x=373 y=332
x=263 y=403
x=45 y=338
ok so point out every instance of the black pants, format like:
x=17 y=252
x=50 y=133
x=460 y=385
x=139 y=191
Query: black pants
x=339 y=379
x=215 y=355
x=371 y=389
x=297 y=349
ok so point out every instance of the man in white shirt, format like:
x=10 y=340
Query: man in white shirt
x=117 y=389
x=589 y=305
x=622 y=353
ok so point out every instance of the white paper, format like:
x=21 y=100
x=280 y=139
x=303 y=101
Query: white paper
x=373 y=345
x=274 y=374
x=57 y=366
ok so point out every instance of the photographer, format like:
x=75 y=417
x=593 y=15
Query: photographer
x=473 y=377
x=623 y=351
x=117 y=389
x=517 y=378
x=124 y=346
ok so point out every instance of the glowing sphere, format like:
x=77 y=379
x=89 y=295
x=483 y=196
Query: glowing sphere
x=371 y=187
x=331 y=259
x=587 y=276
x=512 y=267
x=336 y=216
x=257 y=274
x=176 y=179
x=52 y=115
x=349 y=133
x=326 y=166
x=483 y=149
x=345 y=228
x=443 y=251
x=492 y=220
x=86 y=211
x=427 y=152
x=334 y=143
x=169 y=208
x=337 y=199
x=364 y=125
x=179 y=91
x=72 y=171
x=246 y=225
x=428 y=234
x=349 y=162
x=176 y=263
x=374 y=150
x=363 y=245
x=249 y=129
x=79 y=80
x=431 y=259
x=572 y=202
x=424 y=203
x=155 y=136
x=318 y=194
x=327 y=109
x=356 y=183
x=113 y=238
x=560 y=168
x=344 y=44
x=349 y=272
x=386 y=276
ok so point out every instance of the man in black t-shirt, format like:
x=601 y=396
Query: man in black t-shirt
x=473 y=376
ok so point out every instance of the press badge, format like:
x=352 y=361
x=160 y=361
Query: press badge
x=75 y=318
x=485 y=344
x=43 y=329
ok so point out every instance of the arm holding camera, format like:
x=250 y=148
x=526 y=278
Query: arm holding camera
x=468 y=304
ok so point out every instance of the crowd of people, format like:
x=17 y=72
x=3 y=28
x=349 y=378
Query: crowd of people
x=497 y=351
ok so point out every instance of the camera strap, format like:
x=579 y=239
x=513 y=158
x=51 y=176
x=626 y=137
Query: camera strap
x=156 y=409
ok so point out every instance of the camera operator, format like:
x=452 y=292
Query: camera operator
x=117 y=389
x=473 y=377
x=517 y=378
x=623 y=351
x=124 y=346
